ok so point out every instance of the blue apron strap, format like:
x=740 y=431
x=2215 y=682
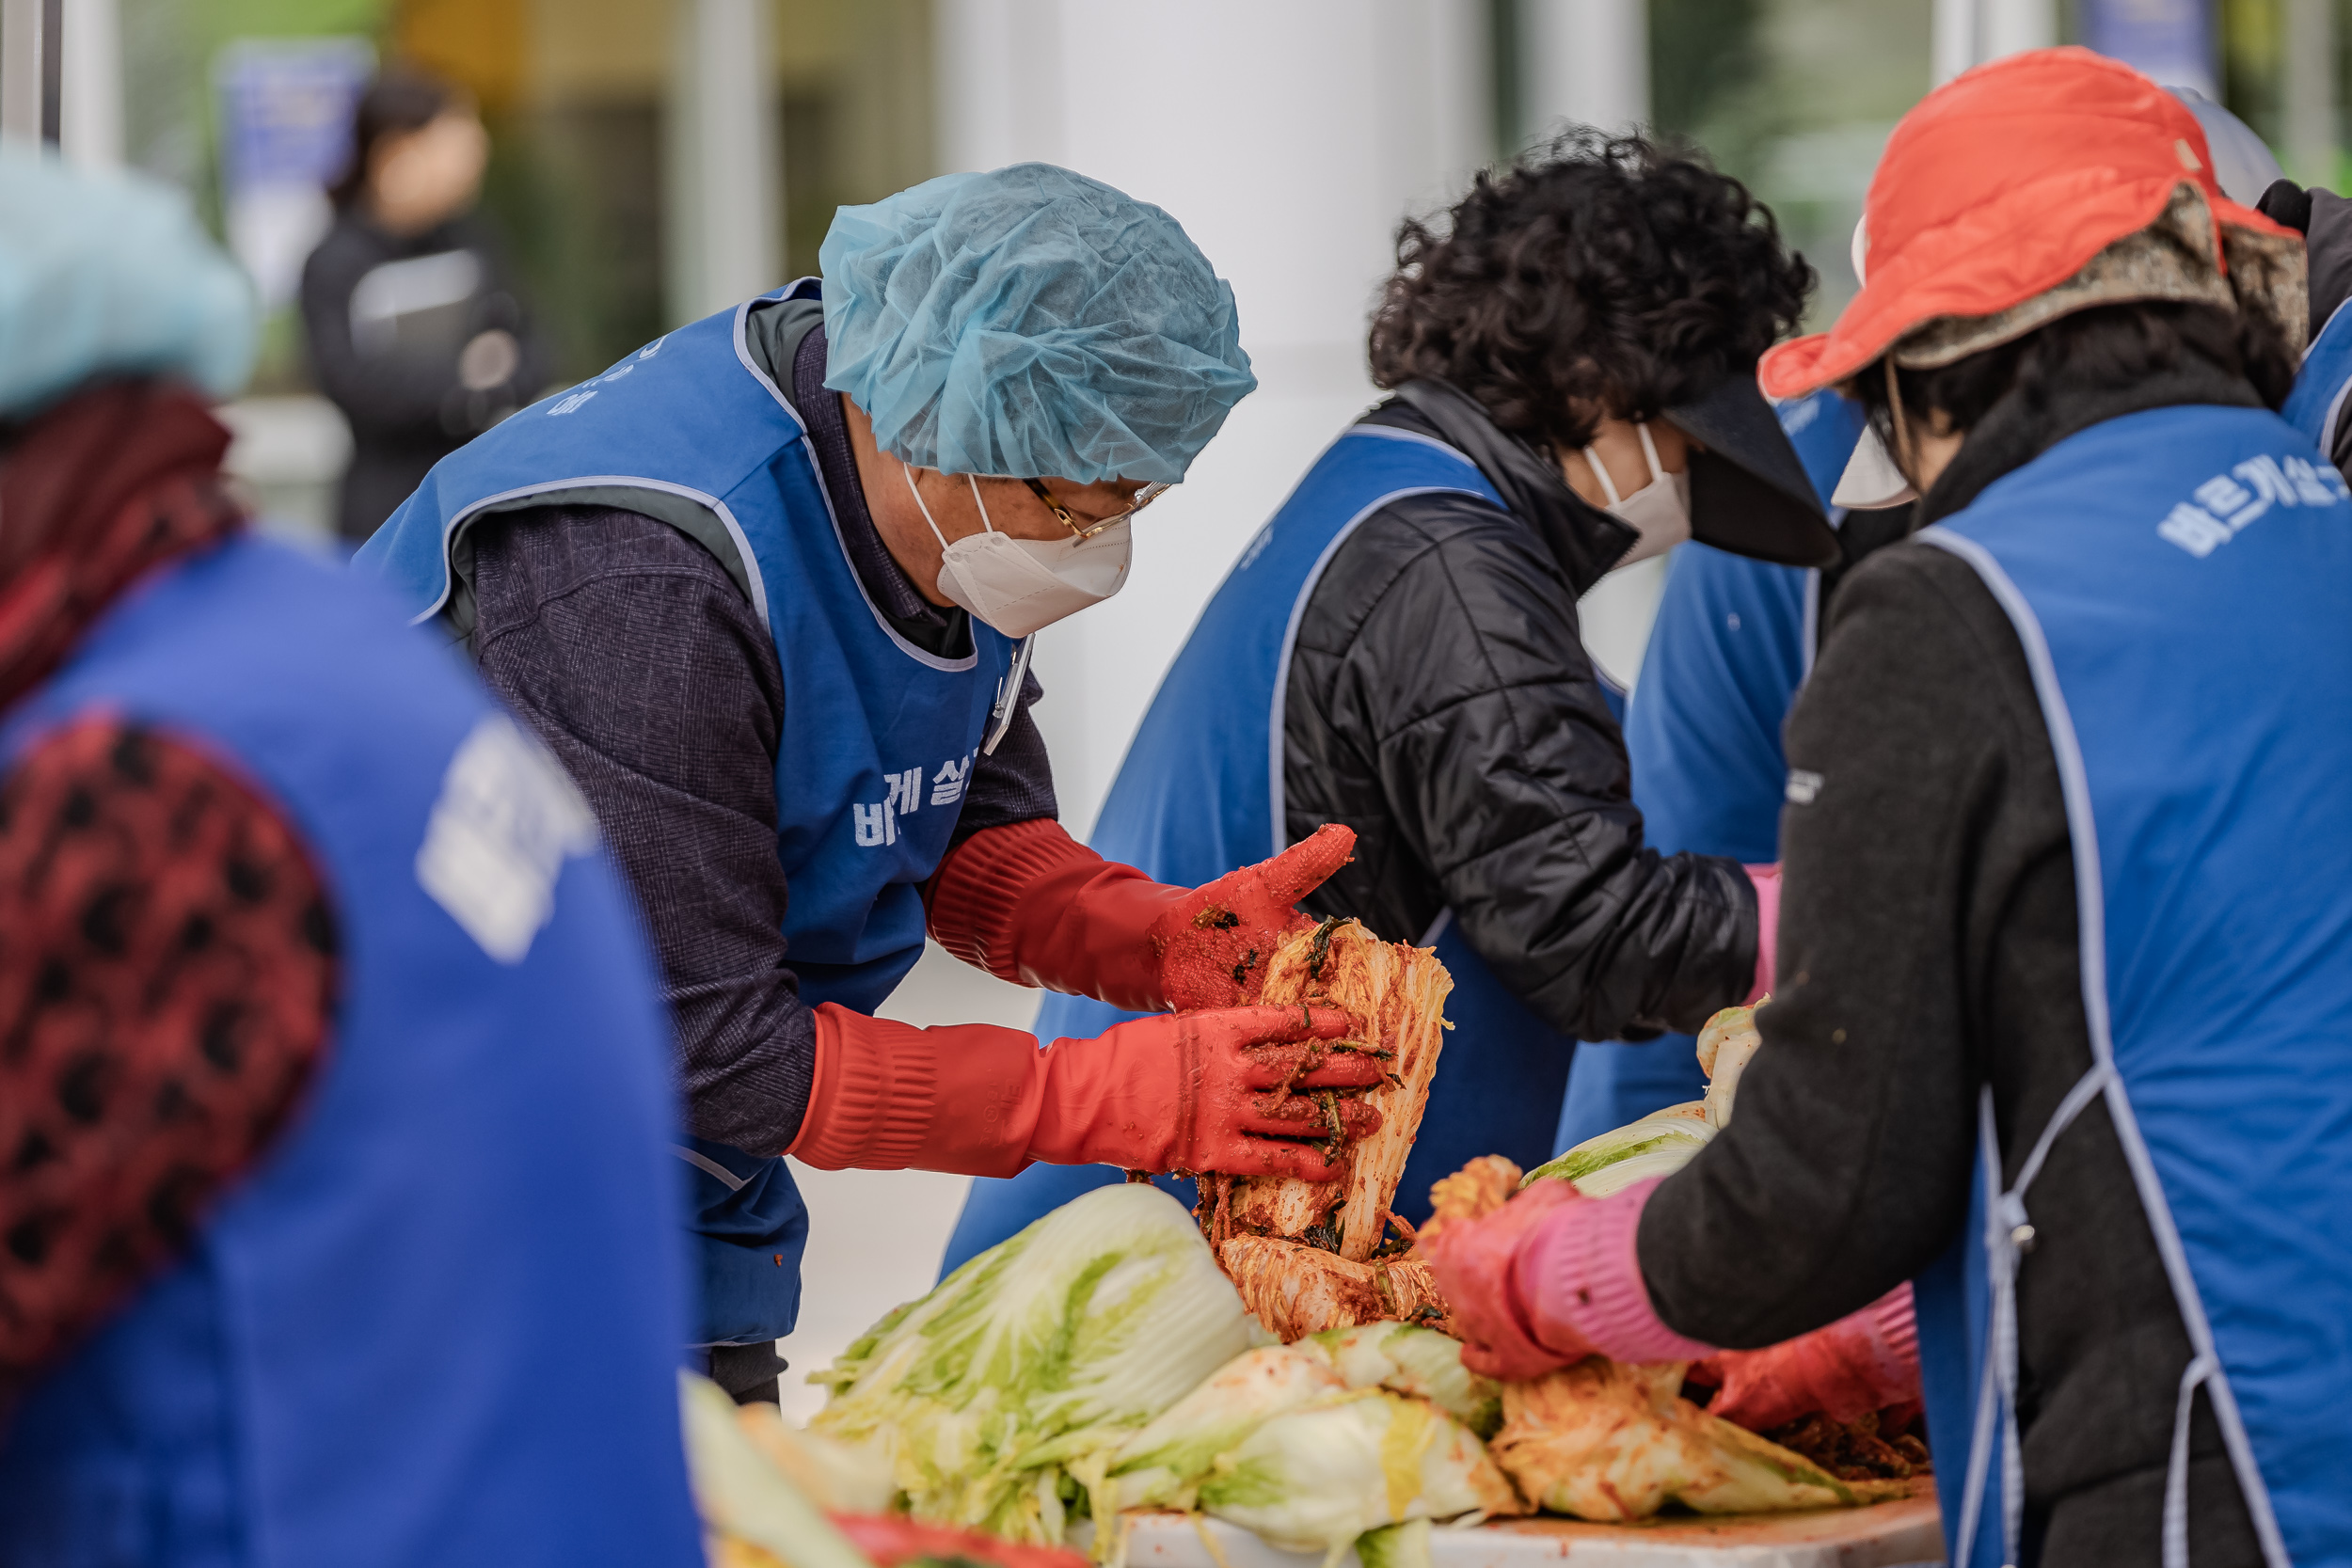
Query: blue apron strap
x=710 y=1167
x=2104 y=1082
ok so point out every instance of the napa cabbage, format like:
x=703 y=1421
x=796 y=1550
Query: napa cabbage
x=1000 y=1397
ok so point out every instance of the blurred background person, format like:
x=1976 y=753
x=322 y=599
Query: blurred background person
x=415 y=331
x=311 y=973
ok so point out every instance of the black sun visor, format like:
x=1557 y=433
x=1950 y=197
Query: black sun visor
x=1749 y=494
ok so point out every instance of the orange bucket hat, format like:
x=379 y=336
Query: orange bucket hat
x=2005 y=183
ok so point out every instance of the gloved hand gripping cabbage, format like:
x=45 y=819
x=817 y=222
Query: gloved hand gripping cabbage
x=1099 y=1361
x=1606 y=1440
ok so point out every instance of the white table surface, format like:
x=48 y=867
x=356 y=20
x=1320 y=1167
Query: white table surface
x=1902 y=1532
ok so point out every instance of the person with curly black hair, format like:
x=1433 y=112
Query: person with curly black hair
x=1572 y=351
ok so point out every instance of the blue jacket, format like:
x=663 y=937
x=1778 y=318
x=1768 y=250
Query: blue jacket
x=438 y=1321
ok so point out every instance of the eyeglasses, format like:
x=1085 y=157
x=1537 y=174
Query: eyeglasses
x=1070 y=519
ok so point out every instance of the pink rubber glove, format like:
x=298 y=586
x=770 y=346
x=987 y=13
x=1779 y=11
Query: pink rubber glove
x=1474 y=1262
x=1766 y=881
x=1864 y=1362
x=1550 y=1278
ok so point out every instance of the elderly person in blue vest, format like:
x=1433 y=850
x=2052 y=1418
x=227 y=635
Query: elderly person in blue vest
x=1573 y=353
x=1735 y=637
x=2058 y=1026
x=310 y=974
x=767 y=587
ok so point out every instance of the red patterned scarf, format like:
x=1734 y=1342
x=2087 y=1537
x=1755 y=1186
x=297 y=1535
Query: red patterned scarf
x=94 y=493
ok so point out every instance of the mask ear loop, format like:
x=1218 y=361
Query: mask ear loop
x=986 y=522
x=908 y=475
x=1895 y=406
x=1649 y=449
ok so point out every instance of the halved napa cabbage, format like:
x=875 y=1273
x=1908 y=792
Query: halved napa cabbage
x=1000 y=1397
x=1659 y=1143
x=1318 y=1477
x=1162 y=1465
x=1607 y=1441
x=1405 y=1358
x=1663 y=1142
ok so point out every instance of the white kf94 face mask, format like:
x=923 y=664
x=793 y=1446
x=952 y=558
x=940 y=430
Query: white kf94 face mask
x=1660 y=510
x=1019 y=585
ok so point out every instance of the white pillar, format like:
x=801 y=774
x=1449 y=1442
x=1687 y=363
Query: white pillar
x=21 y=68
x=2311 y=90
x=1584 y=60
x=92 y=118
x=724 y=228
x=1970 y=32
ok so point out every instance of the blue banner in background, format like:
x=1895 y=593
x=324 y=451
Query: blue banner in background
x=2170 y=41
x=285 y=135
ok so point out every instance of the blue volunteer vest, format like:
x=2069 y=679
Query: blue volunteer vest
x=2177 y=578
x=387 y=1346
x=1200 y=793
x=878 y=739
x=2315 y=406
x=1733 y=641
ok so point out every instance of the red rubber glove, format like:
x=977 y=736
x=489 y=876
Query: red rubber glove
x=1031 y=905
x=1864 y=1362
x=1183 y=1092
x=1475 y=1262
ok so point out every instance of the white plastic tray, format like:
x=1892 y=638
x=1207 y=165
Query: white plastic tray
x=1900 y=1532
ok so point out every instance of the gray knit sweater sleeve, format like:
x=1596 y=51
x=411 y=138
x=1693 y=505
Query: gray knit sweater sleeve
x=629 y=650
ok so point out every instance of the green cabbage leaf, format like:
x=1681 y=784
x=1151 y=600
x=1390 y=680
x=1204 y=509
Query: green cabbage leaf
x=1001 y=1397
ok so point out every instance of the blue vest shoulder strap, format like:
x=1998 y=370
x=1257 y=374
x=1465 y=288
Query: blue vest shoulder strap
x=1200 y=790
x=2316 y=407
x=681 y=423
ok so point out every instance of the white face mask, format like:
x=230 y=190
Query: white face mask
x=1017 y=585
x=1660 y=510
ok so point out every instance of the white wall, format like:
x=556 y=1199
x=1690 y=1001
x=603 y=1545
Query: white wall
x=1584 y=60
x=1288 y=139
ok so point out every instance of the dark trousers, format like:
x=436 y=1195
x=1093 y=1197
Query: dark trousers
x=748 y=1372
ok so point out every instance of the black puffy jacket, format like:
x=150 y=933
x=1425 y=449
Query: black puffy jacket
x=1441 y=703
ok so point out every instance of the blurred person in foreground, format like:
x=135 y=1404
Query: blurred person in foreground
x=767 y=588
x=311 y=973
x=415 y=328
x=2057 y=1032
x=1572 y=352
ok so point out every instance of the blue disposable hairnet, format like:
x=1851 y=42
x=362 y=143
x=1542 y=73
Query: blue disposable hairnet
x=108 y=273
x=1030 y=322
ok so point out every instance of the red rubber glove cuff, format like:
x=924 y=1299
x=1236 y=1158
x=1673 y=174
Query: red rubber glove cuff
x=1185 y=1091
x=1867 y=1361
x=1029 y=904
x=1766 y=881
x=888 y=1095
